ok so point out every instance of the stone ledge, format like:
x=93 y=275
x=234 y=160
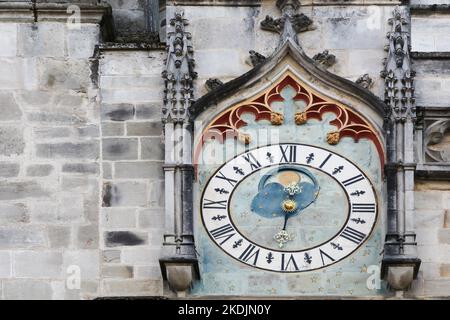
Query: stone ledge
x=118 y=46
x=29 y=12
x=433 y=171
x=429 y=8
x=431 y=55
x=257 y=3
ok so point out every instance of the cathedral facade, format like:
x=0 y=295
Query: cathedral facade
x=225 y=148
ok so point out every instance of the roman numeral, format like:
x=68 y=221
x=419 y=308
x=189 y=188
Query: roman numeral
x=223 y=232
x=250 y=253
x=353 y=235
x=220 y=175
x=288 y=154
x=285 y=264
x=326 y=255
x=254 y=163
x=363 y=207
x=353 y=180
x=325 y=161
x=209 y=204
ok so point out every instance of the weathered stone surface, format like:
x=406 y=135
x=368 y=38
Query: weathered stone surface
x=87 y=260
x=38 y=264
x=117 y=112
x=20 y=190
x=125 y=194
x=144 y=128
x=82 y=168
x=116 y=218
x=39 y=170
x=8 y=39
x=148 y=112
x=14 y=213
x=111 y=129
x=11 y=141
x=133 y=287
x=64 y=74
x=69 y=150
x=9 y=108
x=147 y=272
x=444 y=236
x=22 y=237
x=87 y=237
x=139 y=170
x=91 y=131
x=107 y=170
x=14 y=69
x=111 y=256
x=151 y=218
x=9 y=169
x=152 y=149
x=120 y=149
x=27 y=290
x=142 y=256
x=124 y=238
x=428 y=200
x=5 y=264
x=45 y=40
x=156 y=191
x=81 y=43
x=117 y=272
x=59 y=236
x=51 y=132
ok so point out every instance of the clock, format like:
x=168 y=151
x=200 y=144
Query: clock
x=289 y=208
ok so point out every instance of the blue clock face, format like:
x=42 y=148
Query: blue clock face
x=289 y=208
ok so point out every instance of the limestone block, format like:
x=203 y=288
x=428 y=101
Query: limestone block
x=64 y=74
x=27 y=290
x=437 y=288
x=107 y=170
x=156 y=191
x=117 y=272
x=133 y=63
x=152 y=149
x=90 y=131
x=132 y=82
x=151 y=218
x=117 y=112
x=81 y=42
x=430 y=34
x=148 y=111
x=39 y=170
x=428 y=200
x=68 y=150
x=51 y=132
x=43 y=39
x=11 y=141
x=124 y=239
x=111 y=256
x=9 y=108
x=125 y=194
x=445 y=270
x=219 y=63
x=8 y=40
x=9 y=169
x=14 y=213
x=143 y=256
x=87 y=237
x=87 y=260
x=70 y=208
x=5 y=264
x=38 y=264
x=112 y=129
x=116 y=218
x=429 y=219
x=59 y=237
x=21 y=190
x=81 y=168
x=139 y=170
x=58 y=117
x=44 y=211
x=18 y=73
x=133 y=287
x=444 y=237
x=135 y=96
x=147 y=272
x=144 y=128
x=120 y=149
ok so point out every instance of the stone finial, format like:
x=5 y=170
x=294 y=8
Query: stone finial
x=179 y=74
x=213 y=83
x=365 y=81
x=325 y=58
x=290 y=24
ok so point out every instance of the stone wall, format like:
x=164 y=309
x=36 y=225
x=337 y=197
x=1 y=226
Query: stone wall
x=132 y=154
x=49 y=160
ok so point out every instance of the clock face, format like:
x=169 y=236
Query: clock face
x=289 y=208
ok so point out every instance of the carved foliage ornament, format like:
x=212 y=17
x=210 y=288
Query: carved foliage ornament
x=437 y=141
x=348 y=124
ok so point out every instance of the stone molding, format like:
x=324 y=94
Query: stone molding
x=55 y=12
